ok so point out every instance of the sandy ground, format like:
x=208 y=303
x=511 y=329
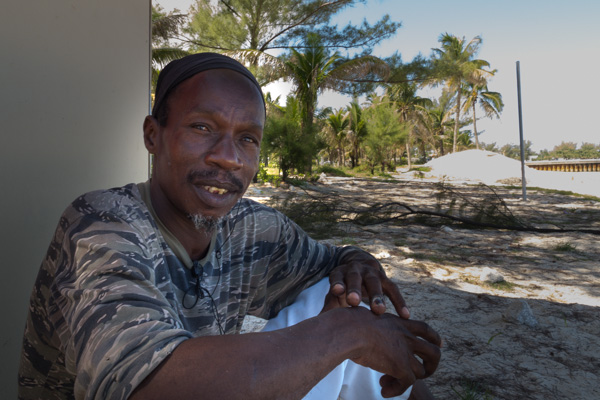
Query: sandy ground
x=535 y=334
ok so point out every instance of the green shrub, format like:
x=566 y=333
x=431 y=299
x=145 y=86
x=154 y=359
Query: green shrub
x=264 y=176
x=566 y=247
x=421 y=168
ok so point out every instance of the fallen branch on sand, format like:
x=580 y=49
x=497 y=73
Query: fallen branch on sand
x=318 y=211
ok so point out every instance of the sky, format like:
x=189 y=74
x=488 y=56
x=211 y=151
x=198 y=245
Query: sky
x=557 y=44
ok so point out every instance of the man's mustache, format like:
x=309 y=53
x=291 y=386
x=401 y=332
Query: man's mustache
x=211 y=174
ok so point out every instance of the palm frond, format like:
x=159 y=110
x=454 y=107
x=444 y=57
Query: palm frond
x=165 y=26
x=161 y=56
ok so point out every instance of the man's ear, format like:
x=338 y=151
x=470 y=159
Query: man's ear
x=151 y=131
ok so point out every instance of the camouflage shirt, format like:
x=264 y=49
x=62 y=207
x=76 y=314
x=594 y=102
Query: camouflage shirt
x=108 y=303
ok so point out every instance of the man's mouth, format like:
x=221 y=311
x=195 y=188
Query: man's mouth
x=215 y=190
x=227 y=184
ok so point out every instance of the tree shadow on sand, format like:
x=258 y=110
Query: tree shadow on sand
x=434 y=240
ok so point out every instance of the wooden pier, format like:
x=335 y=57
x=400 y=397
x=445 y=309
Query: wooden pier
x=566 y=165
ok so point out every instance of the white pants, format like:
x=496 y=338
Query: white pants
x=348 y=381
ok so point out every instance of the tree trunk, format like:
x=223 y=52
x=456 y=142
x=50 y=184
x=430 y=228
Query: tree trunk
x=423 y=151
x=408 y=150
x=475 y=127
x=456 y=123
x=284 y=173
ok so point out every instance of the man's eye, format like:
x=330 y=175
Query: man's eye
x=200 y=127
x=249 y=139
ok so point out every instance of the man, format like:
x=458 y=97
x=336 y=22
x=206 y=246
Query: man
x=144 y=287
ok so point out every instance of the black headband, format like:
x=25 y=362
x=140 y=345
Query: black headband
x=179 y=70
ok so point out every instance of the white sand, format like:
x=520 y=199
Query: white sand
x=493 y=169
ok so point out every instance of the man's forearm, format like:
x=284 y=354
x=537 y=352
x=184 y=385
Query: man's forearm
x=282 y=364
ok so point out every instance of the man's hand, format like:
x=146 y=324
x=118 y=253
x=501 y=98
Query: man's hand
x=403 y=350
x=359 y=275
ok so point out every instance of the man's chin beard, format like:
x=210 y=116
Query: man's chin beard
x=204 y=223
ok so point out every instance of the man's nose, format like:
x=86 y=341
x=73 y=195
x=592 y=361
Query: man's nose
x=224 y=154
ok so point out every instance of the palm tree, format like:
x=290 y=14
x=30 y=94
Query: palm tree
x=490 y=102
x=314 y=70
x=408 y=105
x=337 y=125
x=357 y=131
x=309 y=72
x=455 y=65
x=438 y=120
x=164 y=26
x=464 y=141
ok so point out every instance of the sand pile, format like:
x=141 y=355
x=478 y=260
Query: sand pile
x=495 y=169
x=476 y=165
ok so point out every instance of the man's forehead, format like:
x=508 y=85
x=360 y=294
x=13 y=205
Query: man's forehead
x=211 y=92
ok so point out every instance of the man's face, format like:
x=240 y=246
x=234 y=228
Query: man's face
x=207 y=154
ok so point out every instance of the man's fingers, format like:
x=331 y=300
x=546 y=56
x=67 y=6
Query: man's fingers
x=353 y=281
x=391 y=386
x=430 y=354
x=360 y=278
x=351 y=284
x=417 y=367
x=422 y=330
x=332 y=301
x=372 y=284
x=393 y=293
x=345 y=283
x=336 y=282
x=426 y=345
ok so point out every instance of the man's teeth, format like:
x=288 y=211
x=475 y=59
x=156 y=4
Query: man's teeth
x=213 y=189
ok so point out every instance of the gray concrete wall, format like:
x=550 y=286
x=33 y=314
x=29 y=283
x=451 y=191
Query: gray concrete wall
x=73 y=94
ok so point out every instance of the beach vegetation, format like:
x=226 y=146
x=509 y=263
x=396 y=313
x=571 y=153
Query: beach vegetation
x=455 y=66
x=565 y=247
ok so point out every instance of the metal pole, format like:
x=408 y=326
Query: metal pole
x=523 y=181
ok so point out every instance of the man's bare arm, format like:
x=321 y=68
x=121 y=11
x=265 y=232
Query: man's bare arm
x=287 y=363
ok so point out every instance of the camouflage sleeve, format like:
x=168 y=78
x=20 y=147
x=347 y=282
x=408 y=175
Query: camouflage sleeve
x=296 y=262
x=115 y=324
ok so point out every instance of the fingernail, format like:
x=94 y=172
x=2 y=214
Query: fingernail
x=354 y=295
x=405 y=312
